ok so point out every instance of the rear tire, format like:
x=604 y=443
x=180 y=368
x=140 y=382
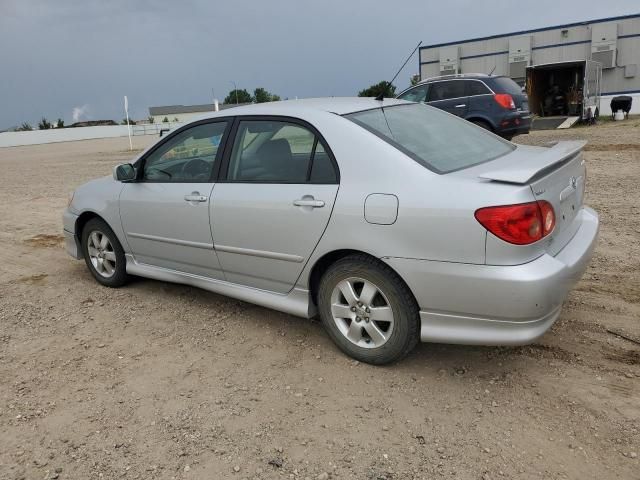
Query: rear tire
x=368 y=311
x=482 y=124
x=103 y=254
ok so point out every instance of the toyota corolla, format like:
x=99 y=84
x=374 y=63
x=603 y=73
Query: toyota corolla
x=393 y=221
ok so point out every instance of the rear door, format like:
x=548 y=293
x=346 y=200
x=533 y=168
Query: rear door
x=449 y=95
x=165 y=213
x=274 y=203
x=480 y=100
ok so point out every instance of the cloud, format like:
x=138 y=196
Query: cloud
x=79 y=112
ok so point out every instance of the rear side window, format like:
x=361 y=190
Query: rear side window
x=506 y=85
x=418 y=94
x=446 y=90
x=439 y=141
x=266 y=151
x=475 y=87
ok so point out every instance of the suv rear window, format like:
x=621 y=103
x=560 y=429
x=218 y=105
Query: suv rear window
x=435 y=139
x=506 y=85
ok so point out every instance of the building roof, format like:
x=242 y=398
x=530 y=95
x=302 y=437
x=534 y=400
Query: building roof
x=177 y=109
x=522 y=32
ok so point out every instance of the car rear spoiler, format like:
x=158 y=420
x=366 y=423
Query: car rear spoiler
x=530 y=167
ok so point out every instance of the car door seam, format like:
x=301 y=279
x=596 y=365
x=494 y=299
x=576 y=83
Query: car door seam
x=333 y=206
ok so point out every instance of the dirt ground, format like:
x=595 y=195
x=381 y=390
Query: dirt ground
x=156 y=380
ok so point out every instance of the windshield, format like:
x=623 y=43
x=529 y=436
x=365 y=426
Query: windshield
x=435 y=139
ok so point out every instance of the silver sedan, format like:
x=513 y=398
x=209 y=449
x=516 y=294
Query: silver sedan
x=393 y=221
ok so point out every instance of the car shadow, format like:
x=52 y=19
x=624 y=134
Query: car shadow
x=453 y=359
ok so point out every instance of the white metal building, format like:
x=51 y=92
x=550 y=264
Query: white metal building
x=183 y=113
x=565 y=55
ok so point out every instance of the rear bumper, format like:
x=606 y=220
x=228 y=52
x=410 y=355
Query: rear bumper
x=71 y=241
x=515 y=123
x=497 y=305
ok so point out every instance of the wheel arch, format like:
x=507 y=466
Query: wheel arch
x=480 y=118
x=325 y=261
x=82 y=220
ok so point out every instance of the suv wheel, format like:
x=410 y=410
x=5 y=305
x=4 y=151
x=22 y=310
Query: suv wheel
x=368 y=310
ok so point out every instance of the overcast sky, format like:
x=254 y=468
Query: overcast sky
x=57 y=56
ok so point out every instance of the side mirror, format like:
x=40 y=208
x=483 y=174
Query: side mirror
x=124 y=172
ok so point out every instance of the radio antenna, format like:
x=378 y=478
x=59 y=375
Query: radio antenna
x=380 y=97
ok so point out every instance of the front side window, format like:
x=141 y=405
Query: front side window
x=446 y=90
x=418 y=94
x=435 y=139
x=189 y=156
x=268 y=151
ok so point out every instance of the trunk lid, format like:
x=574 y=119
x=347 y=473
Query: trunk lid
x=557 y=175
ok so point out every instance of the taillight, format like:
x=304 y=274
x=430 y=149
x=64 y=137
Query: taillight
x=548 y=217
x=505 y=101
x=520 y=224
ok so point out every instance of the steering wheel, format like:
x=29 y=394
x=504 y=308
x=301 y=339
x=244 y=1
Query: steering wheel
x=196 y=168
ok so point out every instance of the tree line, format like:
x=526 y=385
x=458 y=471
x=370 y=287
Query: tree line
x=260 y=95
x=237 y=96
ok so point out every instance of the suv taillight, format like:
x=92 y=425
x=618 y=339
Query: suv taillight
x=520 y=224
x=505 y=101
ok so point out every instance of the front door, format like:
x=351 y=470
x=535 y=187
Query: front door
x=450 y=96
x=165 y=213
x=273 y=206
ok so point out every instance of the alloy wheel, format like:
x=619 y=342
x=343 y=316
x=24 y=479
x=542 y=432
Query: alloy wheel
x=101 y=254
x=362 y=312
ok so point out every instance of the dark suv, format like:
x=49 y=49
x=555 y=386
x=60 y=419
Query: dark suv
x=492 y=102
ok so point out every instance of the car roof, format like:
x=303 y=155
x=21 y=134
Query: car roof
x=460 y=76
x=337 y=105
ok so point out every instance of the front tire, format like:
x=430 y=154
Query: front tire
x=368 y=311
x=103 y=254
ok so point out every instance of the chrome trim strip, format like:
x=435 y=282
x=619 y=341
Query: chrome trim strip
x=259 y=253
x=430 y=81
x=174 y=241
x=296 y=302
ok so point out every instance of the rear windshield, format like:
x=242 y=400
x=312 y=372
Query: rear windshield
x=435 y=139
x=506 y=85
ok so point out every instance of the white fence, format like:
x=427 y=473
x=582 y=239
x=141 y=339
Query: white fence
x=54 y=135
x=154 y=128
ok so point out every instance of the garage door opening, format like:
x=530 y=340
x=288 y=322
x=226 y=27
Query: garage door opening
x=564 y=89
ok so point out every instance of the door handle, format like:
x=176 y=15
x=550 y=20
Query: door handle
x=196 y=197
x=308 y=202
x=461 y=105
